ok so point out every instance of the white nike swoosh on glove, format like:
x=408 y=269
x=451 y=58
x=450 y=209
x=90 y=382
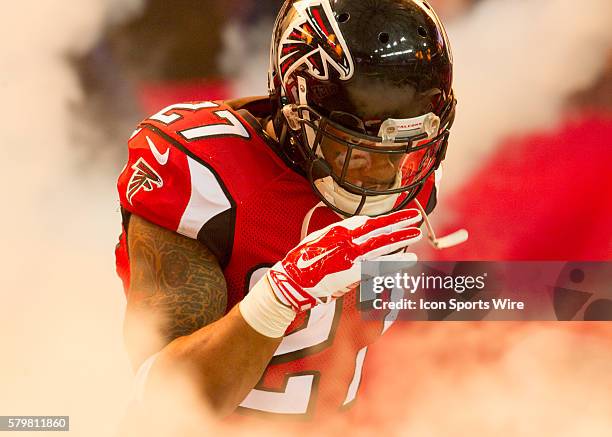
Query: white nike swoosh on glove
x=304 y=264
x=162 y=159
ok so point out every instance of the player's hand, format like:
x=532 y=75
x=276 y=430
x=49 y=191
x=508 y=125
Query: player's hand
x=326 y=264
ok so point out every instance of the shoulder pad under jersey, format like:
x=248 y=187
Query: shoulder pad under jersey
x=187 y=169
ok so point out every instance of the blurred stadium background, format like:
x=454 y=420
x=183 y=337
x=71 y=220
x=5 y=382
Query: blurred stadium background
x=528 y=173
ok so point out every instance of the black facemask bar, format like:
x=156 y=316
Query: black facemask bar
x=304 y=118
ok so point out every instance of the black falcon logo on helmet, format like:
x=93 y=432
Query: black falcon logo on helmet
x=314 y=39
x=144 y=178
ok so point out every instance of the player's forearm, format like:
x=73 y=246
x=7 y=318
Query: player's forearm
x=225 y=360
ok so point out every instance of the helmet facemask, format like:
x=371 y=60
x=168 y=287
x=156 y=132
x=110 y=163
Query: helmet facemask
x=370 y=168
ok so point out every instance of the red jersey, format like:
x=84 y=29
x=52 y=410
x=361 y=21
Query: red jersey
x=208 y=171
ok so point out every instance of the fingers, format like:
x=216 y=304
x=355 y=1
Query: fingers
x=385 y=244
x=337 y=282
x=350 y=223
x=363 y=228
x=386 y=224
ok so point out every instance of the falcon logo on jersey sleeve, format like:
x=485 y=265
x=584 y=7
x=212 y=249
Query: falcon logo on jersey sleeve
x=144 y=178
x=315 y=39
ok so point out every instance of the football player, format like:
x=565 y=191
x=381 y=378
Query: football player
x=245 y=221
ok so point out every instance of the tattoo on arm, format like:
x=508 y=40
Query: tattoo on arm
x=175 y=277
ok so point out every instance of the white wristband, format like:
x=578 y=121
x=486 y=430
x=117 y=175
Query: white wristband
x=264 y=313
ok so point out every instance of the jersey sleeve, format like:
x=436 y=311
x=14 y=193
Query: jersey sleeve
x=182 y=193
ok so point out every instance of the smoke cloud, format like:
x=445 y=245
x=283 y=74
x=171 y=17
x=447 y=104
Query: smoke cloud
x=516 y=64
x=60 y=316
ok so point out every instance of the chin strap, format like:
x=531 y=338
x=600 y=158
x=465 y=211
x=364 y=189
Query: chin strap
x=446 y=242
x=307 y=218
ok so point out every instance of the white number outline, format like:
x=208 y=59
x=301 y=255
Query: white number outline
x=232 y=128
x=169 y=115
x=295 y=397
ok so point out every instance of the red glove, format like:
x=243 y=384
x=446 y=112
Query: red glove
x=326 y=263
